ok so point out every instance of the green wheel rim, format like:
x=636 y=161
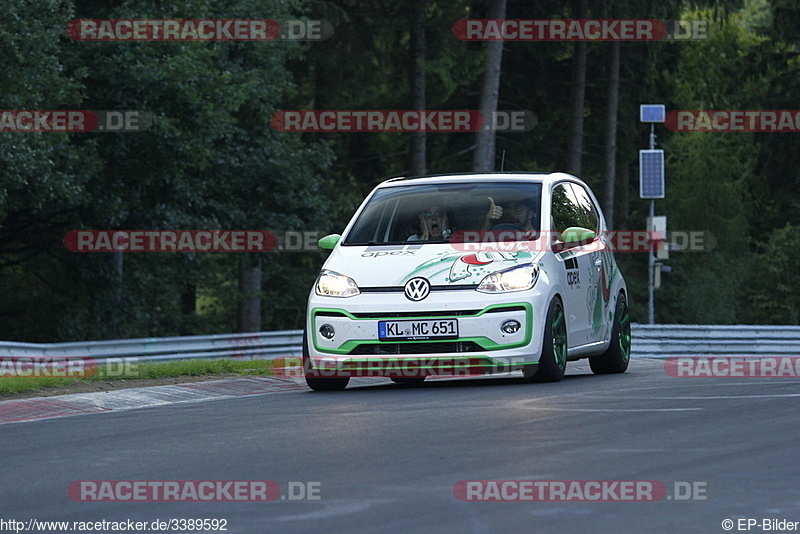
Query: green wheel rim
x=625 y=333
x=558 y=331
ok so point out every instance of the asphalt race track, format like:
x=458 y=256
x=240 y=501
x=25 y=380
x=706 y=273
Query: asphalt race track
x=387 y=457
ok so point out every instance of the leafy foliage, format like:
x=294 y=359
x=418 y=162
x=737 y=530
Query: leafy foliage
x=211 y=159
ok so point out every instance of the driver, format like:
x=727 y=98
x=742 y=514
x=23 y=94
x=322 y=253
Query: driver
x=516 y=213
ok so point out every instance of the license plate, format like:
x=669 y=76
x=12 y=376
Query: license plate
x=418 y=330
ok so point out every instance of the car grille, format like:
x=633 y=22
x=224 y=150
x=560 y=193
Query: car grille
x=424 y=313
x=383 y=315
x=415 y=348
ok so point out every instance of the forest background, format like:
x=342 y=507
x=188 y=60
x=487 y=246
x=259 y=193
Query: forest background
x=211 y=159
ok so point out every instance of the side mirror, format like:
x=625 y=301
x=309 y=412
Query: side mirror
x=576 y=235
x=329 y=241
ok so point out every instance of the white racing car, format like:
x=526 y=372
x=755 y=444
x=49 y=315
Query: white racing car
x=458 y=275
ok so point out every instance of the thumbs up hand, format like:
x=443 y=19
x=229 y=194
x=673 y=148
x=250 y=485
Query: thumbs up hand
x=495 y=211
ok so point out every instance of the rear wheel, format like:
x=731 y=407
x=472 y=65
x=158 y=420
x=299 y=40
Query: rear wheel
x=318 y=383
x=553 y=360
x=615 y=359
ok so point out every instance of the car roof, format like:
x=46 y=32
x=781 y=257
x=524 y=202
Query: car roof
x=479 y=177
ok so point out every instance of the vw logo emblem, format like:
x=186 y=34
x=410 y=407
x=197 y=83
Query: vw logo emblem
x=417 y=289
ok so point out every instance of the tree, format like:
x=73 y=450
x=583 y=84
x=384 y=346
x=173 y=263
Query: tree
x=210 y=160
x=612 y=111
x=484 y=157
x=418 y=147
x=578 y=97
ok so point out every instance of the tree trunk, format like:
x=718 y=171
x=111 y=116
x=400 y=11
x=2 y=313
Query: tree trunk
x=115 y=315
x=249 y=316
x=578 y=98
x=189 y=299
x=483 y=159
x=418 y=150
x=611 y=134
x=625 y=201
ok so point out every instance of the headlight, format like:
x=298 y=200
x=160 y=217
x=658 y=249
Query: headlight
x=517 y=278
x=332 y=284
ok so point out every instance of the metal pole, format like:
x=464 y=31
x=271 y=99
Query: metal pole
x=651 y=262
x=651 y=258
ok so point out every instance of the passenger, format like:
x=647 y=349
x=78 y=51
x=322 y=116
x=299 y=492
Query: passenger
x=433 y=225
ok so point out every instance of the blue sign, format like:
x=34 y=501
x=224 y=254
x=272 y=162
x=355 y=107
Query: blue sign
x=652 y=113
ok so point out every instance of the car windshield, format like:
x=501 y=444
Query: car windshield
x=442 y=212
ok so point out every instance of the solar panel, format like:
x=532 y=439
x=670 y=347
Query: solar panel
x=651 y=173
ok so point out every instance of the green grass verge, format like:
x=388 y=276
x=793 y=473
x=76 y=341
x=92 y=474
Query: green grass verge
x=139 y=371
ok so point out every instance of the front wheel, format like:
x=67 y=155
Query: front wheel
x=615 y=359
x=318 y=383
x=553 y=360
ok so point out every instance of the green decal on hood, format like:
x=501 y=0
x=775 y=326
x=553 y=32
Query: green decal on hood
x=463 y=267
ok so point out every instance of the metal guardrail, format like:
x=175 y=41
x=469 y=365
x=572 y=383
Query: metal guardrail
x=649 y=341
x=249 y=346
x=665 y=340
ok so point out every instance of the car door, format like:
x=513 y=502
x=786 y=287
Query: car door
x=578 y=269
x=598 y=291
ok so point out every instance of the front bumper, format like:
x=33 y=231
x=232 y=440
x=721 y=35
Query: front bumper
x=480 y=348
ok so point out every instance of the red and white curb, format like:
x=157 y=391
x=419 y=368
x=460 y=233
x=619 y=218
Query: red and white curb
x=33 y=409
x=16 y=411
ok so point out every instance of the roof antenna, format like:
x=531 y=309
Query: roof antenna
x=503 y=161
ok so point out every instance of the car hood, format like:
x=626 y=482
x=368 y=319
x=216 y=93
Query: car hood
x=394 y=265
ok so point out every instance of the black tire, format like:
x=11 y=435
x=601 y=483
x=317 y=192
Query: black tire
x=416 y=380
x=553 y=360
x=320 y=383
x=615 y=359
